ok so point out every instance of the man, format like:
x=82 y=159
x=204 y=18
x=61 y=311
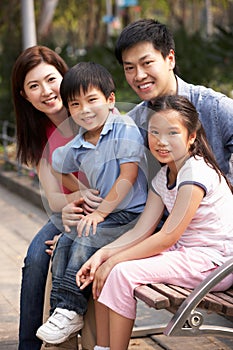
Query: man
x=146 y=49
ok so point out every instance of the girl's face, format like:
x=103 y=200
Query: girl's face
x=90 y=110
x=168 y=138
x=42 y=88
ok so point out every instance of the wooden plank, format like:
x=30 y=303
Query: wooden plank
x=227 y=308
x=229 y=292
x=207 y=302
x=175 y=297
x=151 y=297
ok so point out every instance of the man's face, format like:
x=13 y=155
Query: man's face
x=147 y=72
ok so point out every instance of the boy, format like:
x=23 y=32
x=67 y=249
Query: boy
x=109 y=150
x=146 y=49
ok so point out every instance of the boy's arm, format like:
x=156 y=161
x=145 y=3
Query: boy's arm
x=119 y=190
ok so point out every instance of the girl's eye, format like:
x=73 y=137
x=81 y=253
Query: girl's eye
x=154 y=132
x=173 y=133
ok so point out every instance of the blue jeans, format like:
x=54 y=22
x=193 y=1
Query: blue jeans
x=33 y=284
x=73 y=251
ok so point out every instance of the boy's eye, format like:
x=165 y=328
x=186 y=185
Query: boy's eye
x=73 y=104
x=93 y=99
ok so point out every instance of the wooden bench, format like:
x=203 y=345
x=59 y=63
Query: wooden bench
x=187 y=305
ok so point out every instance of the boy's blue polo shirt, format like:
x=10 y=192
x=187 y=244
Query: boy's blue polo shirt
x=120 y=142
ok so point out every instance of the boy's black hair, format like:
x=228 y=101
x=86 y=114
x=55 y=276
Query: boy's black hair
x=148 y=30
x=83 y=75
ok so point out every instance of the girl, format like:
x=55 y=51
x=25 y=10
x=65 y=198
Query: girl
x=42 y=123
x=196 y=237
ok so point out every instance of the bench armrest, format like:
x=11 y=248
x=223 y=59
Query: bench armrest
x=186 y=320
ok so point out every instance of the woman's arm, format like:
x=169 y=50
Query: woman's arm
x=58 y=200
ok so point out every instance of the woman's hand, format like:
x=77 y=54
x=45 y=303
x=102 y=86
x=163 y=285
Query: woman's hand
x=51 y=243
x=72 y=213
x=91 y=200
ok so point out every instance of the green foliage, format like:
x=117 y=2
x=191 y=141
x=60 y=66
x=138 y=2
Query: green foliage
x=206 y=62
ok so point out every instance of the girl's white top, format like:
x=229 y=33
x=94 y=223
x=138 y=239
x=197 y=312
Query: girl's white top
x=211 y=230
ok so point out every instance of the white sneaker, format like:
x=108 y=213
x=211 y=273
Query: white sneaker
x=60 y=326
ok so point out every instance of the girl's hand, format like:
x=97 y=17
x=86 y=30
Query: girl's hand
x=101 y=275
x=72 y=213
x=51 y=243
x=91 y=200
x=87 y=221
x=86 y=273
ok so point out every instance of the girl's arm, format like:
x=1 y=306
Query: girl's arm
x=187 y=202
x=144 y=227
x=121 y=187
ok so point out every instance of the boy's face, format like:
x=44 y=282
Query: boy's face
x=147 y=72
x=90 y=110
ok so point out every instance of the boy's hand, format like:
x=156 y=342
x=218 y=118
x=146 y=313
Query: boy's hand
x=87 y=221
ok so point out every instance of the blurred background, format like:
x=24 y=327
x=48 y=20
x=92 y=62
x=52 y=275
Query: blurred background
x=81 y=30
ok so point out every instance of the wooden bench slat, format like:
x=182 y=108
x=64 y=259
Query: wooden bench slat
x=175 y=297
x=151 y=297
x=229 y=292
x=207 y=302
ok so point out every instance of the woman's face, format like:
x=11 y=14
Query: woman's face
x=42 y=88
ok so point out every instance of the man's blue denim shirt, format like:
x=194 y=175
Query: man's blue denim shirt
x=215 y=112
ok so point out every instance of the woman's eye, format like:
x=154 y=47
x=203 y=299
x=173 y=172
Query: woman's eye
x=33 y=86
x=52 y=78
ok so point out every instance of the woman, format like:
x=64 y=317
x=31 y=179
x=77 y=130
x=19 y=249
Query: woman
x=42 y=125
